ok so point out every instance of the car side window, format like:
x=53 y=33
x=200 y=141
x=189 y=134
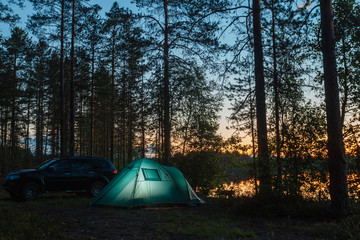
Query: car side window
x=62 y=166
x=100 y=164
x=80 y=166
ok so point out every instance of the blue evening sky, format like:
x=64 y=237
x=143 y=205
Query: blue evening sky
x=28 y=10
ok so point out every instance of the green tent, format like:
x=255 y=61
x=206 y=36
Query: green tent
x=144 y=182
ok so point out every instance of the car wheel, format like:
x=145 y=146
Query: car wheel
x=30 y=191
x=96 y=188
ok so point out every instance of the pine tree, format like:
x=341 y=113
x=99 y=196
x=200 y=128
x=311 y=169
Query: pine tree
x=93 y=36
x=178 y=27
x=336 y=153
x=264 y=165
x=7 y=14
x=17 y=47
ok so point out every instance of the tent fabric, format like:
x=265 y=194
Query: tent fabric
x=144 y=182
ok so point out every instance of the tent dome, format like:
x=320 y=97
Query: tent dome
x=144 y=182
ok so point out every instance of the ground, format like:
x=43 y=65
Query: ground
x=70 y=216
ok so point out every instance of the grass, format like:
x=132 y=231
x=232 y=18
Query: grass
x=239 y=218
x=179 y=223
x=17 y=224
x=278 y=207
x=314 y=219
x=345 y=228
x=28 y=220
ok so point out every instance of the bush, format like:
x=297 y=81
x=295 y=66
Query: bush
x=204 y=170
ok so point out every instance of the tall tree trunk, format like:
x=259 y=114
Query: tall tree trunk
x=81 y=126
x=92 y=99
x=112 y=96
x=337 y=164
x=57 y=139
x=276 y=100
x=96 y=136
x=188 y=119
x=123 y=122
x=13 y=116
x=53 y=126
x=39 y=123
x=45 y=144
x=72 y=87
x=2 y=158
x=106 y=132
x=130 y=128
x=166 y=90
x=142 y=119
x=346 y=87
x=4 y=143
x=160 y=142
x=46 y=141
x=265 y=179
x=119 y=149
x=27 y=156
x=252 y=124
x=63 y=147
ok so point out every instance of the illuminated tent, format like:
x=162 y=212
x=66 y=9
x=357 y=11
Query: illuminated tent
x=144 y=182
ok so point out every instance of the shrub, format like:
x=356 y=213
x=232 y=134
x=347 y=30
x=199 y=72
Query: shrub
x=204 y=170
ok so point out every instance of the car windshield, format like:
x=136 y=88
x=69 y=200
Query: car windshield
x=46 y=164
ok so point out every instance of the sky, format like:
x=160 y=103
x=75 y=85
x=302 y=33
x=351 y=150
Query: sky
x=106 y=5
x=27 y=10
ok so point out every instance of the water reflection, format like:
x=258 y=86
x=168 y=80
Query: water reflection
x=311 y=187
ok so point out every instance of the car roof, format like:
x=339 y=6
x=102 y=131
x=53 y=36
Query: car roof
x=86 y=158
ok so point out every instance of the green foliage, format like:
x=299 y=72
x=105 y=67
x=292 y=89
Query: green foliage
x=204 y=170
x=195 y=110
x=303 y=148
x=351 y=133
x=17 y=224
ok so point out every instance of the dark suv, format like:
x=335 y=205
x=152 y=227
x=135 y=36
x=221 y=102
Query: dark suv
x=71 y=174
